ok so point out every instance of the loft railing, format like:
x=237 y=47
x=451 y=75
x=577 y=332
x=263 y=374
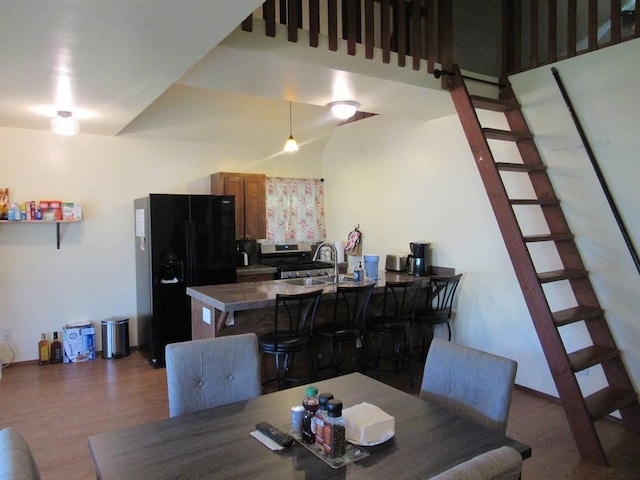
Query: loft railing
x=540 y=32
x=421 y=30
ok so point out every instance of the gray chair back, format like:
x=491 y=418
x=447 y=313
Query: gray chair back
x=16 y=458
x=208 y=373
x=475 y=384
x=504 y=463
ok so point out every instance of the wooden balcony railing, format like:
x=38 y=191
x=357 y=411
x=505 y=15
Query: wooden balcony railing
x=421 y=30
x=539 y=32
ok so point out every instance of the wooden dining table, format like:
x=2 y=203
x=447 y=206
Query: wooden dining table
x=216 y=443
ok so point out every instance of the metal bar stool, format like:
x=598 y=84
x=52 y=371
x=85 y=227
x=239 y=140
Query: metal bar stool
x=437 y=308
x=395 y=321
x=293 y=323
x=347 y=324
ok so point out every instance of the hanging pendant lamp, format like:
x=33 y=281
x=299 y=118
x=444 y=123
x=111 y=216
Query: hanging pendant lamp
x=290 y=145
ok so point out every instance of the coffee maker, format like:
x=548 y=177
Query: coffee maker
x=419 y=261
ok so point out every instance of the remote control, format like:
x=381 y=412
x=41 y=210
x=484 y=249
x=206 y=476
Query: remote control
x=281 y=438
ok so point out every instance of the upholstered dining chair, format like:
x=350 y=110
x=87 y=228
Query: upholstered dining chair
x=16 y=457
x=437 y=308
x=208 y=373
x=470 y=382
x=504 y=463
x=347 y=324
x=294 y=317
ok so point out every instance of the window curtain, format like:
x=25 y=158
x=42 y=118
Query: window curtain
x=295 y=210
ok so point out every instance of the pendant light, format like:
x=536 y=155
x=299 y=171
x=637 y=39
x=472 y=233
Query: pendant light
x=290 y=145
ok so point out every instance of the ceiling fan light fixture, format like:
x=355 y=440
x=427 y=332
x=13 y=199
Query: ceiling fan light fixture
x=344 y=109
x=64 y=124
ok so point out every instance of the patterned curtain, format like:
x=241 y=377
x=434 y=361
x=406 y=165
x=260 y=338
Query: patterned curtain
x=295 y=210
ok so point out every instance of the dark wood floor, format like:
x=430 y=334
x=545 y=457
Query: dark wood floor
x=56 y=407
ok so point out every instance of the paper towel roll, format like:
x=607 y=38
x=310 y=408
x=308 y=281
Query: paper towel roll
x=339 y=244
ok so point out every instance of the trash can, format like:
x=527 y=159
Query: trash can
x=115 y=337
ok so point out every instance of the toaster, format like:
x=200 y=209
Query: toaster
x=396 y=263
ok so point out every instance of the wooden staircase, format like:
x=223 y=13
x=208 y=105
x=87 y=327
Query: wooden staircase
x=581 y=411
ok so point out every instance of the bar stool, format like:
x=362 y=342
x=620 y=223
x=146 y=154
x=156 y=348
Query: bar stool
x=395 y=321
x=348 y=323
x=437 y=308
x=293 y=323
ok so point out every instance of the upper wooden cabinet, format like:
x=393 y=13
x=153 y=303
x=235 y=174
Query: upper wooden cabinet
x=251 y=209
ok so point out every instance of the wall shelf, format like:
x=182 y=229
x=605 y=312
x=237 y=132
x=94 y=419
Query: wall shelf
x=38 y=222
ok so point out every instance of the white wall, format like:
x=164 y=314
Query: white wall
x=92 y=276
x=405 y=181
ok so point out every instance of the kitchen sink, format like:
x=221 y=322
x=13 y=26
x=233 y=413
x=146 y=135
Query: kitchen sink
x=316 y=281
x=308 y=281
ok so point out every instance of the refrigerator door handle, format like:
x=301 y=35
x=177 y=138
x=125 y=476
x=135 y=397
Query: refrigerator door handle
x=188 y=233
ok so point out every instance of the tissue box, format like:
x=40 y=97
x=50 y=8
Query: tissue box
x=367 y=424
x=79 y=343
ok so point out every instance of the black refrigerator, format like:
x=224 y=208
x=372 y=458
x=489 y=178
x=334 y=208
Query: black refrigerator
x=181 y=241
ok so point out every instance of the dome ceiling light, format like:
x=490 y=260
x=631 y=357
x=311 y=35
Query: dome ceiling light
x=344 y=109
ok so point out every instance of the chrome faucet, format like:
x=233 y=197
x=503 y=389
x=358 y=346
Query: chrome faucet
x=334 y=252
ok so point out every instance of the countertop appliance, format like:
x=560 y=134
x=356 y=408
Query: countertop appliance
x=419 y=261
x=293 y=260
x=396 y=263
x=181 y=241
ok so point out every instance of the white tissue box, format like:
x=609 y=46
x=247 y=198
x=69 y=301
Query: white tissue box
x=367 y=424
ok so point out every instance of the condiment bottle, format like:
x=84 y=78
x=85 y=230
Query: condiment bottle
x=320 y=417
x=334 y=430
x=43 y=349
x=310 y=404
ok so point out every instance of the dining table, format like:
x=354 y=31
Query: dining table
x=217 y=443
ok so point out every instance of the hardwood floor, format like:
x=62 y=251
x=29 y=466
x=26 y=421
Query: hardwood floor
x=56 y=407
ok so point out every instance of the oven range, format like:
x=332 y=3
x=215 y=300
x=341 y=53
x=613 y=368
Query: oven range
x=293 y=260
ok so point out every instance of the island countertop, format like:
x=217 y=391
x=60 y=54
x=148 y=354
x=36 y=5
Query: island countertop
x=212 y=304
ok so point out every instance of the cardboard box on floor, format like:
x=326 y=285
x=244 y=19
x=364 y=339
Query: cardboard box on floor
x=79 y=342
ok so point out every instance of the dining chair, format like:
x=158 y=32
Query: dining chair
x=437 y=308
x=208 y=373
x=16 y=457
x=504 y=463
x=395 y=322
x=294 y=317
x=347 y=324
x=470 y=382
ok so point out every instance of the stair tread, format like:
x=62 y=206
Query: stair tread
x=497 y=134
x=590 y=356
x=534 y=201
x=608 y=400
x=495 y=105
x=556 y=275
x=548 y=237
x=520 y=167
x=575 y=314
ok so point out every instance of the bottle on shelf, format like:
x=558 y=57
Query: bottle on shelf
x=43 y=350
x=310 y=404
x=56 y=349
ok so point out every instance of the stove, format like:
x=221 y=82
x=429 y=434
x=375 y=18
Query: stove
x=293 y=260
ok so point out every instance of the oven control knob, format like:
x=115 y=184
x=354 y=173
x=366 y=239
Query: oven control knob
x=308 y=274
x=297 y=274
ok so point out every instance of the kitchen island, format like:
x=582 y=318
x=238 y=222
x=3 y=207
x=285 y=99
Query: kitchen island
x=212 y=305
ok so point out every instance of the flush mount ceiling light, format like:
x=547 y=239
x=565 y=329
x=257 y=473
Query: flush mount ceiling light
x=290 y=145
x=65 y=124
x=344 y=109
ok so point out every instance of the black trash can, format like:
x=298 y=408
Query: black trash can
x=115 y=337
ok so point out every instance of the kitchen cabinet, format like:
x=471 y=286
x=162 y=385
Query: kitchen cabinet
x=250 y=194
